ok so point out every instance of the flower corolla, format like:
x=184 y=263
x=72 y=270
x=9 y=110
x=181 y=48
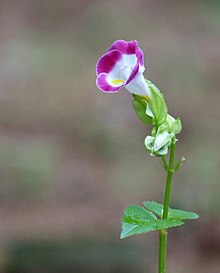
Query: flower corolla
x=122 y=66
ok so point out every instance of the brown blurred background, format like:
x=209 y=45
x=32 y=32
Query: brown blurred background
x=72 y=158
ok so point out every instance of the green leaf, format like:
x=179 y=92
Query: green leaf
x=129 y=229
x=157 y=105
x=154 y=207
x=173 y=214
x=137 y=212
x=138 y=220
x=182 y=215
x=140 y=106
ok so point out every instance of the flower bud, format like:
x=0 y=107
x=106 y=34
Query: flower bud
x=159 y=144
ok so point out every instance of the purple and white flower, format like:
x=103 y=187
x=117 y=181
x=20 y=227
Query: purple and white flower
x=122 y=66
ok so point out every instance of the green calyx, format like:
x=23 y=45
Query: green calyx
x=157 y=105
x=140 y=105
x=153 y=111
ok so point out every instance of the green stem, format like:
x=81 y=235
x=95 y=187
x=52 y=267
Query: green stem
x=163 y=232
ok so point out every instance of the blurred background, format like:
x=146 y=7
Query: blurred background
x=72 y=158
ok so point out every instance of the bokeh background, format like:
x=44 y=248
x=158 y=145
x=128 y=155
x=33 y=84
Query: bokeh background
x=72 y=158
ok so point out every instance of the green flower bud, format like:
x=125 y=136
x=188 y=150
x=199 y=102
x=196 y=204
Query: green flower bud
x=174 y=125
x=159 y=144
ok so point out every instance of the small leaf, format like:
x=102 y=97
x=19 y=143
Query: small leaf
x=138 y=220
x=126 y=230
x=173 y=214
x=140 y=109
x=132 y=229
x=137 y=212
x=182 y=215
x=154 y=207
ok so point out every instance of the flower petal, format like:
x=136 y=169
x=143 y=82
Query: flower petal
x=124 y=47
x=108 y=86
x=138 y=85
x=133 y=73
x=140 y=56
x=129 y=48
x=107 y=62
x=122 y=65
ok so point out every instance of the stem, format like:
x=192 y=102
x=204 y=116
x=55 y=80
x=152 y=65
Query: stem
x=163 y=232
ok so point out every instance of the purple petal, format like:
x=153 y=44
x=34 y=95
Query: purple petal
x=125 y=47
x=104 y=85
x=107 y=62
x=140 y=56
x=129 y=48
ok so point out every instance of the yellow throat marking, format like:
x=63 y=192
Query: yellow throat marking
x=117 y=81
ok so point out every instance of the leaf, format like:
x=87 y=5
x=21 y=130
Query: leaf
x=154 y=207
x=129 y=229
x=138 y=213
x=138 y=220
x=182 y=215
x=173 y=214
x=157 y=105
x=140 y=109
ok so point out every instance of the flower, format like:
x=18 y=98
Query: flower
x=122 y=66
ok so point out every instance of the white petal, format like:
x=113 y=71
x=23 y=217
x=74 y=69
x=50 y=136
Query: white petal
x=130 y=60
x=115 y=72
x=123 y=68
x=138 y=85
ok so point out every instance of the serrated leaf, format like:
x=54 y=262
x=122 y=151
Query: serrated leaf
x=154 y=207
x=156 y=224
x=126 y=230
x=172 y=213
x=182 y=215
x=138 y=213
x=140 y=109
